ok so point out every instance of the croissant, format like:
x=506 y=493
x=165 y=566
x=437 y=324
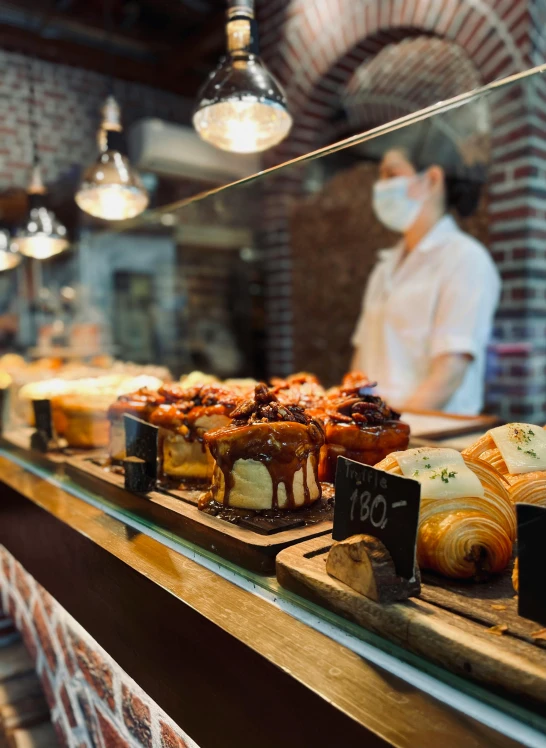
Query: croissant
x=467 y=537
x=527 y=487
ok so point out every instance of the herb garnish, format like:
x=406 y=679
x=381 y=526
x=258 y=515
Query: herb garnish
x=531 y=453
x=445 y=475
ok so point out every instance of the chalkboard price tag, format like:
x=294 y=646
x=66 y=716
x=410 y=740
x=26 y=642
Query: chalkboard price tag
x=43 y=436
x=141 y=443
x=531 y=562
x=385 y=506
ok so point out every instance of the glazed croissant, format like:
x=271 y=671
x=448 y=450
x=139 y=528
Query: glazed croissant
x=467 y=536
x=526 y=478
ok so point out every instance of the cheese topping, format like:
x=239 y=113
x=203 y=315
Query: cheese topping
x=522 y=446
x=442 y=473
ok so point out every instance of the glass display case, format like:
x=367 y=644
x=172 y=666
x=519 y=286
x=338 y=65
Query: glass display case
x=265 y=277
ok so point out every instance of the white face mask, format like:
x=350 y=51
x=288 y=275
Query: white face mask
x=391 y=203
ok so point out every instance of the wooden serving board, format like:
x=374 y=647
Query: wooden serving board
x=448 y=624
x=180 y=515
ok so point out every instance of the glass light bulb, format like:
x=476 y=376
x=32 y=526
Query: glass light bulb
x=42 y=235
x=9 y=260
x=40 y=247
x=243 y=126
x=242 y=108
x=111 y=189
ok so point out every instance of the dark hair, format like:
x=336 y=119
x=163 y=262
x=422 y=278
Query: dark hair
x=463 y=195
x=429 y=146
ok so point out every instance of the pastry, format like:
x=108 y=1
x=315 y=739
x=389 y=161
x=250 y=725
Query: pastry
x=81 y=421
x=183 y=421
x=517 y=452
x=139 y=404
x=357 y=425
x=302 y=389
x=267 y=458
x=467 y=523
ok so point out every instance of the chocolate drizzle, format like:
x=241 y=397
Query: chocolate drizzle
x=282 y=438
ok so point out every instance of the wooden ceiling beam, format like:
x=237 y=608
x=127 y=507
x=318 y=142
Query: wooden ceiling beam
x=159 y=74
x=199 y=45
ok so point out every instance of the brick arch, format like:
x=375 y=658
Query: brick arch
x=314 y=46
x=323 y=43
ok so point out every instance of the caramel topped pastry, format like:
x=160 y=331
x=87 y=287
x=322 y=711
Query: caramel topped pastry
x=183 y=422
x=267 y=458
x=140 y=404
x=301 y=389
x=357 y=425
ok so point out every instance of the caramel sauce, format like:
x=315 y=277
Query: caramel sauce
x=361 y=443
x=320 y=510
x=283 y=447
x=139 y=404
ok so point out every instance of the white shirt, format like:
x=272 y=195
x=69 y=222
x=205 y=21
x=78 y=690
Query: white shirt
x=440 y=299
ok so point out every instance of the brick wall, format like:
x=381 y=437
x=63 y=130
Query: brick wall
x=93 y=702
x=317 y=47
x=68 y=102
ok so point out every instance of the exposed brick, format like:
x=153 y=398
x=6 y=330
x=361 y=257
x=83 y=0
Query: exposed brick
x=29 y=639
x=22 y=582
x=47 y=600
x=65 y=698
x=44 y=636
x=137 y=717
x=6 y=566
x=89 y=716
x=61 y=735
x=48 y=688
x=111 y=737
x=170 y=738
x=94 y=669
x=65 y=648
x=12 y=607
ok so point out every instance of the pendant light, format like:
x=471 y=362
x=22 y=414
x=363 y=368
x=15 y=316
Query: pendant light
x=42 y=235
x=9 y=256
x=111 y=188
x=241 y=107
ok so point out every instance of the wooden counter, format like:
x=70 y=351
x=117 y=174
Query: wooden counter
x=227 y=665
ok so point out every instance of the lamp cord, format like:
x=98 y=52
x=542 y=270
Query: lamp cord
x=108 y=20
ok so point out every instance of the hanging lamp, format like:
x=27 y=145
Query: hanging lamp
x=41 y=235
x=241 y=107
x=9 y=256
x=111 y=188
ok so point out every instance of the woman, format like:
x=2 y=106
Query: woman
x=429 y=305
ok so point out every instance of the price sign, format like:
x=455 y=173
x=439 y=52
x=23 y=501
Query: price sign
x=41 y=439
x=531 y=562
x=385 y=506
x=42 y=417
x=141 y=450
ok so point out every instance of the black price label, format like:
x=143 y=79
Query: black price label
x=531 y=562
x=43 y=418
x=141 y=441
x=385 y=506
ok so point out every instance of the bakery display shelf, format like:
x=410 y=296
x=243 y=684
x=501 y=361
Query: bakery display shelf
x=471 y=629
x=19 y=440
x=178 y=514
